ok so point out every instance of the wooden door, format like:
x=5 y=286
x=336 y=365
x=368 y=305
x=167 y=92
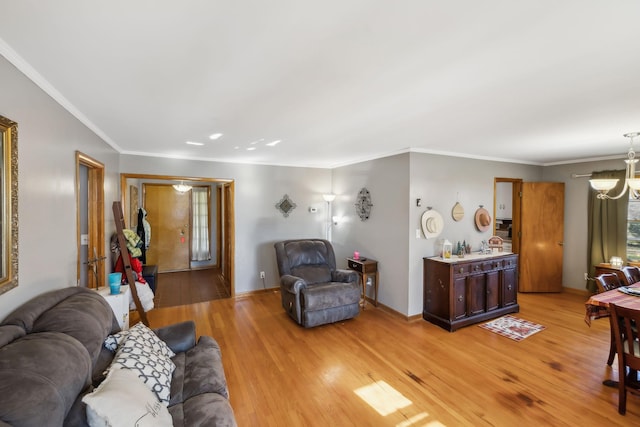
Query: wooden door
x=169 y=214
x=541 y=242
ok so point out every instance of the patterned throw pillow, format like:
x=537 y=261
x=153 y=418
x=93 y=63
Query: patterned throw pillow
x=112 y=342
x=154 y=369
x=142 y=333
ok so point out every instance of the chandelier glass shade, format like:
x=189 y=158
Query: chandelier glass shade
x=603 y=186
x=182 y=187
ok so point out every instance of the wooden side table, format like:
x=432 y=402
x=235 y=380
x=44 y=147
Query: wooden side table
x=365 y=267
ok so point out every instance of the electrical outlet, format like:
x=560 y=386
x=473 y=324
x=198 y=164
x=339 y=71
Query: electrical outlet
x=262 y=274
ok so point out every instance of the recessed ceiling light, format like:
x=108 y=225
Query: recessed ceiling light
x=194 y=143
x=273 y=143
x=215 y=136
x=251 y=148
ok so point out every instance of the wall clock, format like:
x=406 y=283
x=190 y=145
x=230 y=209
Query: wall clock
x=363 y=204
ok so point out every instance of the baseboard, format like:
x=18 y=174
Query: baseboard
x=256 y=292
x=575 y=291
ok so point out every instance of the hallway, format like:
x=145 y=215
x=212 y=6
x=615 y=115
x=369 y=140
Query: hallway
x=189 y=287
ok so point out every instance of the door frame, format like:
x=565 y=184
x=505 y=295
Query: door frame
x=228 y=232
x=95 y=214
x=516 y=208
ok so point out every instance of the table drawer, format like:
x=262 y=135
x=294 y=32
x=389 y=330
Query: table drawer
x=356 y=266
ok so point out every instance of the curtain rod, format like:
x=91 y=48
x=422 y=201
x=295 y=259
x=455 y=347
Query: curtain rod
x=580 y=175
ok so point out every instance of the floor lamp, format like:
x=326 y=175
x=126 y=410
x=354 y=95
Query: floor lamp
x=328 y=198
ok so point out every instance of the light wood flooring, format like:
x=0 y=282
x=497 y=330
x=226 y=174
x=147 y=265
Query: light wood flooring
x=188 y=287
x=380 y=370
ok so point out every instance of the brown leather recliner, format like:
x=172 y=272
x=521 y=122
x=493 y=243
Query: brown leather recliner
x=313 y=291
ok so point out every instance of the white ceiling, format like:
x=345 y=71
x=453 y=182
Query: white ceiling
x=339 y=81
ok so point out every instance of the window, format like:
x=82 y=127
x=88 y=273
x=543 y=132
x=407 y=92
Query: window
x=633 y=230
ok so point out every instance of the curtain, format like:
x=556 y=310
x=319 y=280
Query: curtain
x=607 y=225
x=200 y=230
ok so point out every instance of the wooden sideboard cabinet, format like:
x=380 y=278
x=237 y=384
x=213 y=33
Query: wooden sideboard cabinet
x=461 y=291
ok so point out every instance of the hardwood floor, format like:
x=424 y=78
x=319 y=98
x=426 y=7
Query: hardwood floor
x=380 y=370
x=188 y=287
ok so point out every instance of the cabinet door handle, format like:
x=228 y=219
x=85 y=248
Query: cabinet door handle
x=509 y=287
x=460 y=298
x=461 y=270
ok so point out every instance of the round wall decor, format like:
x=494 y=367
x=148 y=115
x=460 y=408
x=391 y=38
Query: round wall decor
x=363 y=204
x=457 y=212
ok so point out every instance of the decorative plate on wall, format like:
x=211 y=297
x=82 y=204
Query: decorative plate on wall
x=285 y=205
x=457 y=212
x=363 y=204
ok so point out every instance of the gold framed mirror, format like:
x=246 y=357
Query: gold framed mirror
x=8 y=204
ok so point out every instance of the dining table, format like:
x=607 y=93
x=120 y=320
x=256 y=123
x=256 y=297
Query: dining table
x=597 y=306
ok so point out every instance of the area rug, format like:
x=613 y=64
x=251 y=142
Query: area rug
x=512 y=327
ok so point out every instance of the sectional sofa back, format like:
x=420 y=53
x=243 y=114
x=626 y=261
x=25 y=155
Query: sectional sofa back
x=51 y=350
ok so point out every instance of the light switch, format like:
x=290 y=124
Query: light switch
x=84 y=239
x=417 y=233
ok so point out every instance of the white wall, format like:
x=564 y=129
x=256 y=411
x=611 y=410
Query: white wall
x=383 y=236
x=389 y=236
x=258 y=223
x=48 y=137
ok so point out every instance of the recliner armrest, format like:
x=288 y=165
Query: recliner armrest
x=345 y=276
x=179 y=337
x=292 y=284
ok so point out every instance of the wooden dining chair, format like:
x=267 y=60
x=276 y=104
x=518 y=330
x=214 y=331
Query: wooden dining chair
x=631 y=274
x=624 y=322
x=606 y=282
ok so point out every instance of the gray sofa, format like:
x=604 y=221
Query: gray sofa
x=313 y=291
x=52 y=354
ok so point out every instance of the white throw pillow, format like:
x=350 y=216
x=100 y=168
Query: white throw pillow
x=123 y=400
x=153 y=368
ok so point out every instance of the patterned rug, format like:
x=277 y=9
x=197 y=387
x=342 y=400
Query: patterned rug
x=512 y=327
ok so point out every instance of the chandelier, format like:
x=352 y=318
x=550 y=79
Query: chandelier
x=183 y=188
x=603 y=186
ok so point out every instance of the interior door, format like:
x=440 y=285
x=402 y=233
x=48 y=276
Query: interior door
x=542 y=234
x=169 y=214
x=90 y=221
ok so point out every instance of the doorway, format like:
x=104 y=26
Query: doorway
x=506 y=211
x=90 y=221
x=222 y=212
